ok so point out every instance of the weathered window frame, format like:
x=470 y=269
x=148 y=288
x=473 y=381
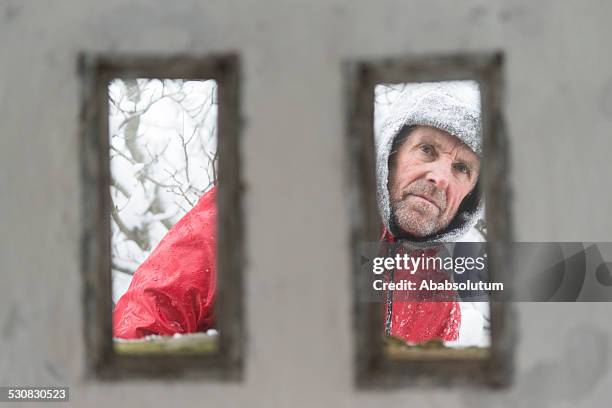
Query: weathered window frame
x=373 y=368
x=102 y=361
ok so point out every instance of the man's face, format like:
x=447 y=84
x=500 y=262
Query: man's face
x=433 y=171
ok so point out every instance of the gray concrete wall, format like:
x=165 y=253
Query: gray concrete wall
x=299 y=350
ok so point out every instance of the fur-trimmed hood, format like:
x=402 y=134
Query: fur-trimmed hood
x=453 y=107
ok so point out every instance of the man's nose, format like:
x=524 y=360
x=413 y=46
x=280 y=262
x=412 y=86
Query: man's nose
x=440 y=174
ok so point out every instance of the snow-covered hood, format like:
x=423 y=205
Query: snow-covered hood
x=453 y=107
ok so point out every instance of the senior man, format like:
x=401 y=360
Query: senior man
x=428 y=169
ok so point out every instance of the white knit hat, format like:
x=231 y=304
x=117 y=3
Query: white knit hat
x=453 y=107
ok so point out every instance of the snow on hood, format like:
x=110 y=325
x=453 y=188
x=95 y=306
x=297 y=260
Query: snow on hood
x=453 y=107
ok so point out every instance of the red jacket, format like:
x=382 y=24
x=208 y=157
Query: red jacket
x=418 y=321
x=173 y=291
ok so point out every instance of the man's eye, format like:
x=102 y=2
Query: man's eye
x=427 y=149
x=462 y=168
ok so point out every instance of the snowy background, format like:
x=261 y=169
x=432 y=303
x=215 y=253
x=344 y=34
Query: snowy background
x=475 y=316
x=163 y=143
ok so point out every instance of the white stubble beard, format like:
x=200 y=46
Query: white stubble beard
x=411 y=220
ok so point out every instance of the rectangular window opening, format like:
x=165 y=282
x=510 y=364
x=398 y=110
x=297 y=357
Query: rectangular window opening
x=162 y=217
x=430 y=229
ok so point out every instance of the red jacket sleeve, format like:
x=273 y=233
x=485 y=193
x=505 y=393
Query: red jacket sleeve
x=173 y=291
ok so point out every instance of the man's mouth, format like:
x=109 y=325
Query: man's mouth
x=429 y=200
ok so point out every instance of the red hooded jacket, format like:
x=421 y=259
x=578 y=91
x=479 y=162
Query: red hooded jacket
x=173 y=291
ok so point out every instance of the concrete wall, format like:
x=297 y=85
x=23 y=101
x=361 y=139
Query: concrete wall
x=299 y=353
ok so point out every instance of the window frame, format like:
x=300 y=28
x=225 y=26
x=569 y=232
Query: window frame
x=373 y=368
x=96 y=72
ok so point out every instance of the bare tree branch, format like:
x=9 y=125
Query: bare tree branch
x=137 y=235
x=122 y=269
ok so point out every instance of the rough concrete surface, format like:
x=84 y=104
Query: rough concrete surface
x=299 y=348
